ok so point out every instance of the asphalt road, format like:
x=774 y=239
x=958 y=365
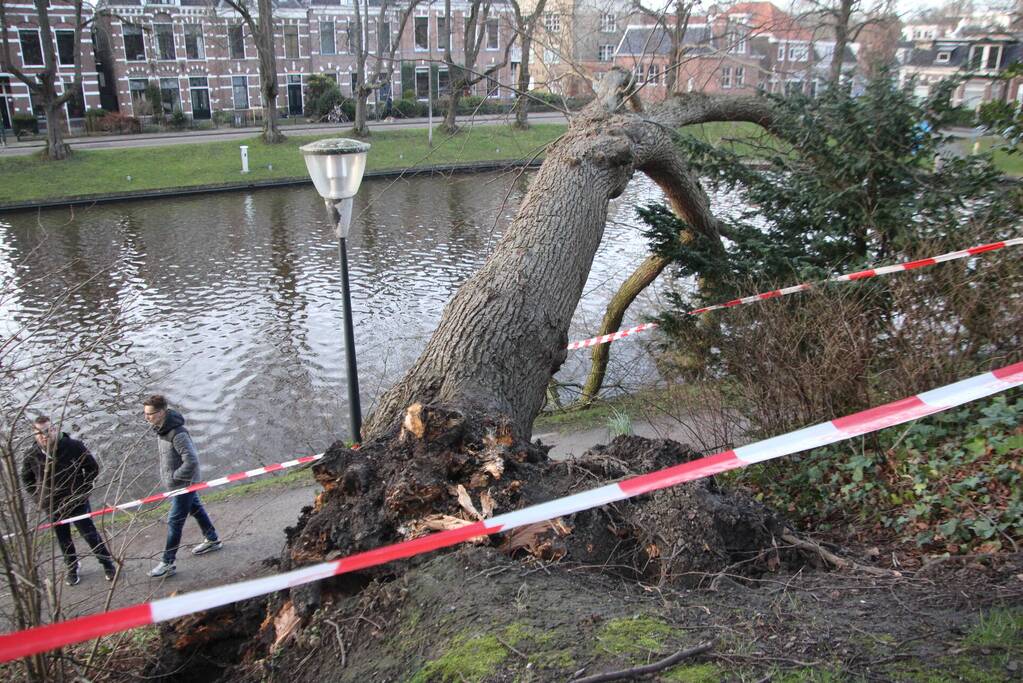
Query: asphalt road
x=15 y=148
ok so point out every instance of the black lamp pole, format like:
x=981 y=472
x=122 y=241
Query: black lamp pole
x=354 y=405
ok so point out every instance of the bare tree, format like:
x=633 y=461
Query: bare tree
x=386 y=47
x=674 y=24
x=525 y=26
x=463 y=75
x=846 y=19
x=43 y=85
x=261 y=26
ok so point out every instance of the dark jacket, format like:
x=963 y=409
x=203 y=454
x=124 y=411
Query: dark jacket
x=63 y=479
x=179 y=461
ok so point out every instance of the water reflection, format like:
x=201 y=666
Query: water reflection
x=230 y=305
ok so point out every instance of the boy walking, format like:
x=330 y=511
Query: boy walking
x=58 y=472
x=179 y=468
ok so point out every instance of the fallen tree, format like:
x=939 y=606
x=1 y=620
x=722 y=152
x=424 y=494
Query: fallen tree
x=449 y=444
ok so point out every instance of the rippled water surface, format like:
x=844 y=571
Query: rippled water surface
x=230 y=305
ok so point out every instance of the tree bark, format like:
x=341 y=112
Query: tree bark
x=843 y=14
x=503 y=334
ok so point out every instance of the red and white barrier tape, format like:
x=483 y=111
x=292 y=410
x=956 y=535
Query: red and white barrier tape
x=158 y=497
x=43 y=638
x=858 y=275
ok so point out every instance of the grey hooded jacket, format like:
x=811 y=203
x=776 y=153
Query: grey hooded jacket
x=179 y=461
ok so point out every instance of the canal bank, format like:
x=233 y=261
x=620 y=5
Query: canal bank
x=93 y=176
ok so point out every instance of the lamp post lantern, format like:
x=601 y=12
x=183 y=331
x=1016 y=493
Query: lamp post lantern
x=336 y=166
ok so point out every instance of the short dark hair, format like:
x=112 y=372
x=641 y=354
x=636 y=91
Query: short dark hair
x=156 y=401
x=41 y=420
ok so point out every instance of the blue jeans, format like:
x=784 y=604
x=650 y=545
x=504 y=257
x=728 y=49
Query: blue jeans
x=181 y=507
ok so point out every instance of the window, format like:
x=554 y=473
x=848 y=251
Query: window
x=236 y=36
x=443 y=82
x=31 y=48
x=737 y=40
x=199 y=89
x=608 y=23
x=442 y=32
x=134 y=46
x=493 y=87
x=169 y=97
x=799 y=53
x=422 y=84
x=994 y=56
x=422 y=35
x=492 y=34
x=740 y=76
x=551 y=56
x=653 y=74
x=194 y=46
x=353 y=82
x=781 y=52
x=291 y=42
x=943 y=57
x=346 y=39
x=328 y=41
x=240 y=91
x=726 y=77
x=605 y=53
x=76 y=105
x=384 y=37
x=164 y=41
x=137 y=89
x=552 y=22
x=65 y=47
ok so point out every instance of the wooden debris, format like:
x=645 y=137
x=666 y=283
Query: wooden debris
x=285 y=624
x=541 y=540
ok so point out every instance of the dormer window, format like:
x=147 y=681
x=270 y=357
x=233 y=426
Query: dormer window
x=943 y=57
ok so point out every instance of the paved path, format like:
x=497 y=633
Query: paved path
x=15 y=148
x=252 y=528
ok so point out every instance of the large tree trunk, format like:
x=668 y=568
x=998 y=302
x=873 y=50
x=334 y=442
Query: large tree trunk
x=503 y=335
x=56 y=148
x=268 y=73
x=843 y=16
x=522 y=101
x=450 y=116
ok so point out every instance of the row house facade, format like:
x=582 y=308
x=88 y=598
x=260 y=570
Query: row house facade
x=204 y=60
x=982 y=57
x=743 y=48
x=575 y=41
x=25 y=46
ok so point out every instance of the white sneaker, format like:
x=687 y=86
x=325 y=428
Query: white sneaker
x=163 y=569
x=207 y=547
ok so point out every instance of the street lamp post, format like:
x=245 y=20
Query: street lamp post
x=336 y=166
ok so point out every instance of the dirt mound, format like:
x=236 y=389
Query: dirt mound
x=443 y=471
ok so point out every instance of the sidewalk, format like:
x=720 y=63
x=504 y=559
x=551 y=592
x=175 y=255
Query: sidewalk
x=16 y=148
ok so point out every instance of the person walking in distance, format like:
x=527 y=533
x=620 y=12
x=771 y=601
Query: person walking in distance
x=58 y=472
x=179 y=467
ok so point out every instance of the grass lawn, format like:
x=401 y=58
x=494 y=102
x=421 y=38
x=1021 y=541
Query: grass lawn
x=98 y=172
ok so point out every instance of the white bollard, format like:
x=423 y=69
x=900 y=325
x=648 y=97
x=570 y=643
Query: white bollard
x=245 y=158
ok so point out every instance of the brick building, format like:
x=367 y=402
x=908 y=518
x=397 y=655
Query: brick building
x=745 y=47
x=26 y=49
x=203 y=59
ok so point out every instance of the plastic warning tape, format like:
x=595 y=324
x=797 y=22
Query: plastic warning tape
x=775 y=293
x=200 y=486
x=43 y=638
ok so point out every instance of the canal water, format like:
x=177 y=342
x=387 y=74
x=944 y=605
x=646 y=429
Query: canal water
x=230 y=305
